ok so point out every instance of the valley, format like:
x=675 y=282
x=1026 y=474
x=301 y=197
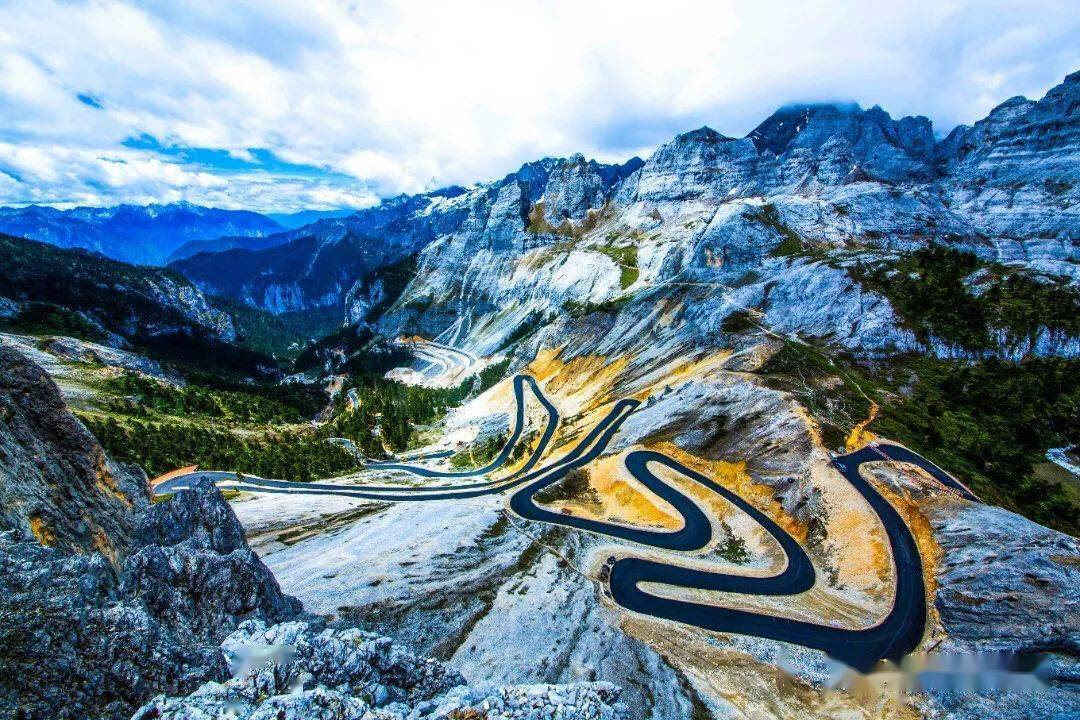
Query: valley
x=893 y=638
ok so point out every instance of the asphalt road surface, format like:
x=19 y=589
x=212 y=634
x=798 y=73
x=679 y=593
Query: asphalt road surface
x=893 y=637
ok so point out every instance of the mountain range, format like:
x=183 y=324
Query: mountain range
x=836 y=172
x=156 y=234
x=1004 y=188
x=144 y=235
x=316 y=265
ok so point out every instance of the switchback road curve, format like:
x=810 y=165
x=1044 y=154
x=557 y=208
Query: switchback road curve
x=520 y=381
x=896 y=635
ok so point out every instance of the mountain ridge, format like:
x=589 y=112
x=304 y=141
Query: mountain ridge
x=294 y=275
x=833 y=170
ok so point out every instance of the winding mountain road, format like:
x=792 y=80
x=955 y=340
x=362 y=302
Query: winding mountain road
x=450 y=362
x=896 y=635
x=520 y=381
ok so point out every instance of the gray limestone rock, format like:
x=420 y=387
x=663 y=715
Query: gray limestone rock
x=55 y=482
x=76 y=647
x=1006 y=582
x=294 y=670
x=192 y=567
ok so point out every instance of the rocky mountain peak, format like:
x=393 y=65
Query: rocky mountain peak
x=576 y=185
x=698 y=163
x=702 y=135
x=839 y=136
x=801 y=152
x=533 y=175
x=776 y=133
x=1017 y=160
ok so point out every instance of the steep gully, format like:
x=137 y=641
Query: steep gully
x=893 y=637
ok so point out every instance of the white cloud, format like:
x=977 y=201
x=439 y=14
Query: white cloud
x=400 y=96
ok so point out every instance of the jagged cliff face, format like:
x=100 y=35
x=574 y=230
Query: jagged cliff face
x=719 y=214
x=1015 y=174
x=323 y=263
x=838 y=176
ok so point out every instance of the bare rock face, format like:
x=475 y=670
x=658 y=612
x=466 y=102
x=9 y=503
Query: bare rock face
x=699 y=164
x=295 y=670
x=82 y=642
x=361 y=663
x=75 y=646
x=1015 y=171
x=82 y=350
x=55 y=482
x=706 y=210
x=1007 y=583
x=78 y=640
x=194 y=570
x=1007 y=586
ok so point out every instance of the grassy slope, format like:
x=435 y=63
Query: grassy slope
x=260 y=430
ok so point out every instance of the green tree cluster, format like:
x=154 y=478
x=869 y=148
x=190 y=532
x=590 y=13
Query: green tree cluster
x=951 y=295
x=479 y=454
x=161 y=447
x=255 y=404
x=389 y=411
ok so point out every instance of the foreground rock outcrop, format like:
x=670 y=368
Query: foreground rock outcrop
x=1007 y=583
x=196 y=573
x=83 y=639
x=297 y=670
x=75 y=646
x=56 y=484
x=82 y=642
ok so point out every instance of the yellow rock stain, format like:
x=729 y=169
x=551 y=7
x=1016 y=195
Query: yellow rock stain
x=44 y=535
x=585 y=381
x=734 y=477
x=859 y=435
x=105 y=482
x=620 y=498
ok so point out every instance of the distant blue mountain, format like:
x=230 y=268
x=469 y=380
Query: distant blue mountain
x=145 y=235
x=288 y=221
x=306 y=217
x=235 y=242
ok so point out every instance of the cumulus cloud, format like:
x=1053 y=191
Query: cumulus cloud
x=359 y=100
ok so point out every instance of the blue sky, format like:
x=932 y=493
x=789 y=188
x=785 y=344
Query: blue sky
x=281 y=106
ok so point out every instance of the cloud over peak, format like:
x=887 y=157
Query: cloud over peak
x=282 y=106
